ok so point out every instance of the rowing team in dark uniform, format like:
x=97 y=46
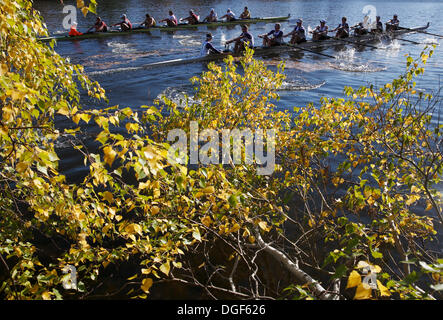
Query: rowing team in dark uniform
x=171 y=21
x=298 y=35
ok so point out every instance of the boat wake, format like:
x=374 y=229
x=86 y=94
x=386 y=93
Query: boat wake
x=353 y=67
x=188 y=41
x=122 y=47
x=299 y=86
x=431 y=40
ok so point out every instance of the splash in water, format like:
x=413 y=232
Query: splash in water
x=354 y=67
x=121 y=47
x=299 y=85
x=178 y=95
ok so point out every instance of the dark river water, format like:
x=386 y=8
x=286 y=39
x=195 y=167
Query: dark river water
x=309 y=76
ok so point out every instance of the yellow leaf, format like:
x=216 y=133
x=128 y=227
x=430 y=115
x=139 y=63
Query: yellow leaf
x=362 y=293
x=353 y=280
x=235 y=228
x=46 y=295
x=196 y=235
x=109 y=155
x=263 y=225
x=383 y=290
x=206 y=221
x=155 y=210
x=146 y=284
x=165 y=267
x=85 y=11
x=22 y=167
x=80 y=4
x=108 y=196
x=428 y=206
x=208 y=190
x=133 y=228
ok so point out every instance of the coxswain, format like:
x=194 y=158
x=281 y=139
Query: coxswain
x=360 y=30
x=73 y=32
x=392 y=24
x=208 y=48
x=192 y=19
x=320 y=32
x=245 y=39
x=125 y=24
x=245 y=14
x=274 y=37
x=149 y=21
x=298 y=34
x=342 y=29
x=230 y=16
x=212 y=17
x=171 y=21
x=99 y=26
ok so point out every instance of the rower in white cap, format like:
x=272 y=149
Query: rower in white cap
x=298 y=34
x=212 y=17
x=392 y=24
x=320 y=32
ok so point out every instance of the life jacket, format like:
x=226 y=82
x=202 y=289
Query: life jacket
x=278 y=35
x=300 y=31
x=128 y=23
x=74 y=32
x=344 y=26
x=322 y=29
x=247 y=37
x=195 y=17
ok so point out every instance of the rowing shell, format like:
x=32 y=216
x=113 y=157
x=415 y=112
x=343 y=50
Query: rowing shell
x=260 y=51
x=165 y=28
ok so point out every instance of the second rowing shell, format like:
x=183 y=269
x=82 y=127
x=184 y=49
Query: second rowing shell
x=163 y=28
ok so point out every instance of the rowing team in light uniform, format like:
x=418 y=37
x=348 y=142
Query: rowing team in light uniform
x=298 y=34
x=171 y=21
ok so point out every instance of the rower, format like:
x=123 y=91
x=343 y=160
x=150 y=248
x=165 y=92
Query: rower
x=245 y=39
x=276 y=38
x=149 y=21
x=320 y=32
x=208 y=48
x=245 y=14
x=360 y=30
x=342 y=29
x=125 y=24
x=73 y=32
x=392 y=24
x=212 y=17
x=171 y=21
x=230 y=16
x=298 y=34
x=99 y=26
x=378 y=26
x=192 y=19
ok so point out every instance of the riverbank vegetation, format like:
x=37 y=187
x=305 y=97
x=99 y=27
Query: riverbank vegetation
x=352 y=210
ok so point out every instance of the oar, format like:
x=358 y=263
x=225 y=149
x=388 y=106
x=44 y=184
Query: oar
x=431 y=34
x=414 y=42
x=312 y=51
x=356 y=43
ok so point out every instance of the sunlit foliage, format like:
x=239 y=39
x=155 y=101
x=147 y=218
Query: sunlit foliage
x=350 y=179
